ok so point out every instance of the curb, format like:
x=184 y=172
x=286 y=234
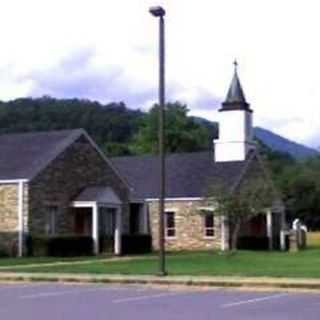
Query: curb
x=227 y=282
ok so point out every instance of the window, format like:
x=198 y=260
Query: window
x=170 y=225
x=209 y=225
x=51 y=220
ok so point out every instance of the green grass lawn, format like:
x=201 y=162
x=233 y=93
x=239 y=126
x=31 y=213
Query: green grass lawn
x=9 y=262
x=243 y=263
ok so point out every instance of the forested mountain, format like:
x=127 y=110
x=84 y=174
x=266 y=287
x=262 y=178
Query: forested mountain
x=278 y=143
x=114 y=126
x=110 y=124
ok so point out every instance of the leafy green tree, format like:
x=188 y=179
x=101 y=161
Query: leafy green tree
x=251 y=198
x=300 y=186
x=182 y=133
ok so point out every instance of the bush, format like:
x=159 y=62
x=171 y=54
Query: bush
x=136 y=244
x=68 y=246
x=37 y=246
x=106 y=244
x=253 y=243
x=4 y=253
x=62 y=246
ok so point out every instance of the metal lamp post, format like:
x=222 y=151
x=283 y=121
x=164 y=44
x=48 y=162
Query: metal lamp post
x=159 y=12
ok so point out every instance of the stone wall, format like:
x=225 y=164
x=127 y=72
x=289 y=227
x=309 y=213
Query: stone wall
x=189 y=223
x=8 y=217
x=78 y=167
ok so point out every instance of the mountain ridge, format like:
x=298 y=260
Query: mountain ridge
x=274 y=141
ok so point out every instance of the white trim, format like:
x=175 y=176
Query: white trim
x=209 y=209
x=171 y=210
x=214 y=228
x=90 y=204
x=117 y=233
x=175 y=199
x=269 y=229
x=13 y=181
x=174 y=211
x=20 y=219
x=95 y=230
x=83 y=204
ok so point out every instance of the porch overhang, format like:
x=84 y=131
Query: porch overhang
x=101 y=196
x=95 y=198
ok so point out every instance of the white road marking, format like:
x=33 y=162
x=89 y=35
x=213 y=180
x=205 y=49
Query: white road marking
x=238 y=303
x=13 y=286
x=147 y=297
x=73 y=291
x=47 y=294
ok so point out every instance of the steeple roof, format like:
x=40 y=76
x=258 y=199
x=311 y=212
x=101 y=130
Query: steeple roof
x=235 y=99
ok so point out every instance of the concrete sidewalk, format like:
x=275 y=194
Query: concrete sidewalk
x=288 y=284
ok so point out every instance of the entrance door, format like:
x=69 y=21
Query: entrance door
x=107 y=226
x=107 y=222
x=82 y=221
x=135 y=218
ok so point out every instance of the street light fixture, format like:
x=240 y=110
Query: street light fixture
x=159 y=12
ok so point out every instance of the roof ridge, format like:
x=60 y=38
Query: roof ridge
x=25 y=133
x=167 y=154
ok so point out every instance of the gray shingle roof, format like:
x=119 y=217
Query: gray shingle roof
x=103 y=195
x=235 y=93
x=235 y=99
x=187 y=174
x=22 y=156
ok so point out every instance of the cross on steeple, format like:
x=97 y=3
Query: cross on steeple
x=235 y=63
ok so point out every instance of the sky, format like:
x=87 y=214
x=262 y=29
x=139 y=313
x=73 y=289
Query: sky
x=106 y=50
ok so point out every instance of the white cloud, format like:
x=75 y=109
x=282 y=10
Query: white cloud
x=274 y=41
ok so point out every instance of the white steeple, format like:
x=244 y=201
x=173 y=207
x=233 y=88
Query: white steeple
x=235 y=125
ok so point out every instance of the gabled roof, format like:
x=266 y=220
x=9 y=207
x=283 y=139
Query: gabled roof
x=187 y=174
x=24 y=155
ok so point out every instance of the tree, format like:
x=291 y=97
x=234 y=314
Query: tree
x=182 y=133
x=300 y=185
x=250 y=199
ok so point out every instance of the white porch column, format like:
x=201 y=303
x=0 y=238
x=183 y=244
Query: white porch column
x=118 y=232
x=144 y=219
x=269 y=229
x=95 y=229
x=224 y=234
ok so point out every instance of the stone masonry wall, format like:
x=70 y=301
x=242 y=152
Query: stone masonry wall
x=78 y=167
x=189 y=224
x=8 y=217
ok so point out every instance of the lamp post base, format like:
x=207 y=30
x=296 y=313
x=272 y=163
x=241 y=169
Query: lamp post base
x=162 y=273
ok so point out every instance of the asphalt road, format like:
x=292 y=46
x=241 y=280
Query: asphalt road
x=95 y=302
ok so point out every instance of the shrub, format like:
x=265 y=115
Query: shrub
x=253 y=243
x=136 y=244
x=68 y=246
x=60 y=246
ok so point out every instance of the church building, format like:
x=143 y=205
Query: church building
x=232 y=159
x=60 y=183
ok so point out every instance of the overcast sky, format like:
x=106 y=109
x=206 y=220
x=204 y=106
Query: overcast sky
x=106 y=50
